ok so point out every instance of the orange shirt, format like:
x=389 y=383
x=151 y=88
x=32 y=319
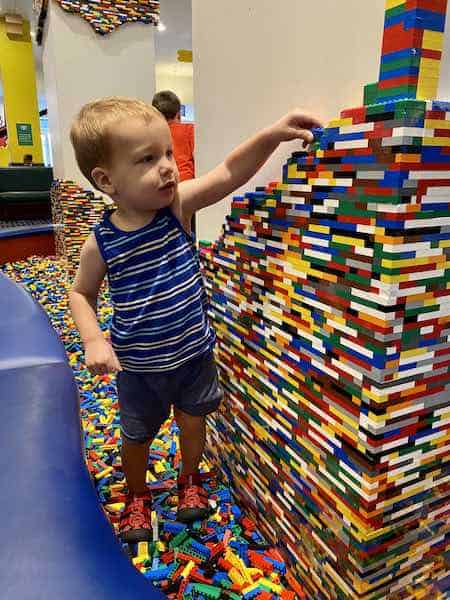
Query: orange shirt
x=183 y=148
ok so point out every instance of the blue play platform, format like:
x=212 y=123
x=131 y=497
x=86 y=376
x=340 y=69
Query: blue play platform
x=56 y=543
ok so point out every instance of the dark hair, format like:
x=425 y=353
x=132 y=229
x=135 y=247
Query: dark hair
x=167 y=103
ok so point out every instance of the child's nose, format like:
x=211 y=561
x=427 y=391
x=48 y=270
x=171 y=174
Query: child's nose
x=166 y=164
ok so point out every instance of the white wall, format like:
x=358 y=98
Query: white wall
x=182 y=83
x=80 y=66
x=253 y=61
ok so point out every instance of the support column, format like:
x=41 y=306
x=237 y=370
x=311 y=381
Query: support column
x=18 y=76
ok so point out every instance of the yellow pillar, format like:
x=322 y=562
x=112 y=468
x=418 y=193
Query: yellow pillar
x=18 y=75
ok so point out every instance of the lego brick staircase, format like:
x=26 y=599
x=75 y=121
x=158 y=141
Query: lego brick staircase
x=330 y=295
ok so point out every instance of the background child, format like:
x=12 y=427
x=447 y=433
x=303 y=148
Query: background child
x=169 y=105
x=162 y=344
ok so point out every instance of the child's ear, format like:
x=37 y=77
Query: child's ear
x=103 y=180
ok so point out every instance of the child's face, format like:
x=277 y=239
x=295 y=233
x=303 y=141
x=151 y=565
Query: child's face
x=143 y=171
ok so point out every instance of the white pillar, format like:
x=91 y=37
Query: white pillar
x=253 y=61
x=80 y=66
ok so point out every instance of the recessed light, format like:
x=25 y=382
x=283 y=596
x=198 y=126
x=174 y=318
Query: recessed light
x=161 y=27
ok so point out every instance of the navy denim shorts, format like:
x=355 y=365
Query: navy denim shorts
x=145 y=399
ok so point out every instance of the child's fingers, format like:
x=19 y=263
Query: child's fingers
x=116 y=363
x=97 y=369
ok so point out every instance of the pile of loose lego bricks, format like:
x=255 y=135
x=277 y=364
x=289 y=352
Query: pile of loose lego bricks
x=223 y=556
x=106 y=15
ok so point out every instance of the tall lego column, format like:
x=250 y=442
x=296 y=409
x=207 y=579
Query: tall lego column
x=412 y=50
x=330 y=295
x=90 y=50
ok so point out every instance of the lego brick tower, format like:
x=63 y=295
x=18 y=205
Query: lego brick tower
x=330 y=295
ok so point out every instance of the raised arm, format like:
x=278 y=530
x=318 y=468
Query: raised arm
x=99 y=355
x=243 y=162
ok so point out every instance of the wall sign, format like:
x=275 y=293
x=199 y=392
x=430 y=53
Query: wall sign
x=24 y=134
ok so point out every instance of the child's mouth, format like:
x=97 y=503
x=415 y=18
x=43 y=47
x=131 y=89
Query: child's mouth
x=170 y=185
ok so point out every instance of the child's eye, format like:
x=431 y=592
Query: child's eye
x=169 y=153
x=147 y=158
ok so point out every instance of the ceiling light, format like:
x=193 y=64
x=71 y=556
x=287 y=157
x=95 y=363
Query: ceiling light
x=161 y=27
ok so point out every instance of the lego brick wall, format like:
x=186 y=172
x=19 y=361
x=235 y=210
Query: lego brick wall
x=330 y=297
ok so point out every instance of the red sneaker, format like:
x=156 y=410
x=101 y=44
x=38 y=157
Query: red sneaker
x=135 y=520
x=192 y=498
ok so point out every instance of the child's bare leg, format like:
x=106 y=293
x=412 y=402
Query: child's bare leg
x=134 y=464
x=192 y=440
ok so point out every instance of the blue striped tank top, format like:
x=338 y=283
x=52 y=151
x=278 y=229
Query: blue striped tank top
x=159 y=303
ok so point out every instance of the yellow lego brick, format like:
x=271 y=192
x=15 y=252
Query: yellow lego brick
x=236 y=577
x=319 y=228
x=187 y=569
x=115 y=506
x=410 y=262
x=437 y=124
x=437 y=141
x=104 y=473
x=394 y=278
x=430 y=65
x=348 y=241
x=143 y=551
x=159 y=467
x=341 y=122
x=292 y=171
x=394 y=3
x=427 y=92
x=149 y=477
x=277 y=589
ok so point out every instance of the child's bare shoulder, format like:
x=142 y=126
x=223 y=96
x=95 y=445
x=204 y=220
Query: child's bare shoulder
x=92 y=268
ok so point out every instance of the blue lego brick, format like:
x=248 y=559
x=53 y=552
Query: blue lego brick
x=440 y=105
x=317 y=133
x=413 y=71
x=406 y=53
x=394 y=179
x=418 y=18
x=358 y=160
x=404 y=96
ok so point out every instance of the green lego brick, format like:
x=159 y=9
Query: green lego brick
x=210 y=591
x=178 y=539
x=395 y=11
x=370 y=93
x=411 y=61
x=400 y=90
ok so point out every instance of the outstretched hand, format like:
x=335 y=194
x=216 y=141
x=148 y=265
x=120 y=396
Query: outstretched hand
x=296 y=125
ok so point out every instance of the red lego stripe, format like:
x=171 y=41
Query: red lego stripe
x=396 y=38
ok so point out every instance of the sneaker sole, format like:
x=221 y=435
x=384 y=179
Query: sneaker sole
x=134 y=536
x=192 y=514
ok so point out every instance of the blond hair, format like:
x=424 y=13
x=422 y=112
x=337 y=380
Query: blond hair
x=92 y=132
